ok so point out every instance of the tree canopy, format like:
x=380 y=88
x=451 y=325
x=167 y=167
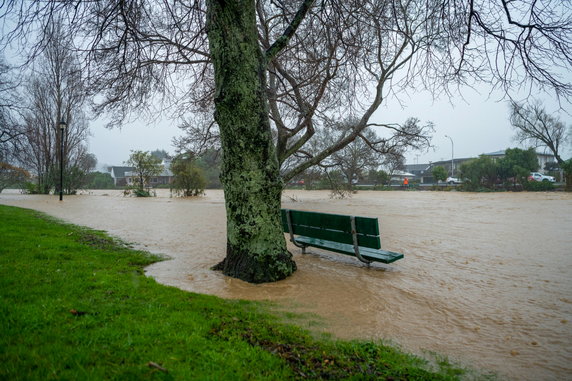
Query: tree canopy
x=539 y=128
x=534 y=126
x=52 y=91
x=145 y=166
x=189 y=179
x=439 y=173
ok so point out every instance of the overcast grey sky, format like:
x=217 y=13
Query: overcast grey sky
x=477 y=124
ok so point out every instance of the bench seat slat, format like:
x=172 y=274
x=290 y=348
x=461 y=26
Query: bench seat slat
x=368 y=253
x=336 y=236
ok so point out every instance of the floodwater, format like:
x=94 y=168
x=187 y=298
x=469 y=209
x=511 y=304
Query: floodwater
x=486 y=278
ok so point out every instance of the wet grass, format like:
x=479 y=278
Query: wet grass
x=75 y=304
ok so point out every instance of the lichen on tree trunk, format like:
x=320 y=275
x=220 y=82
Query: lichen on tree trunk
x=256 y=248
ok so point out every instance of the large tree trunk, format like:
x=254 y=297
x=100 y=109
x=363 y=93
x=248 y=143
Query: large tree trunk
x=256 y=248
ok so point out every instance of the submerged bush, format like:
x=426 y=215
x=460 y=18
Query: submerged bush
x=30 y=188
x=189 y=179
x=538 y=186
x=135 y=191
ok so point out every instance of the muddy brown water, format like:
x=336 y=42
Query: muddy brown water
x=486 y=278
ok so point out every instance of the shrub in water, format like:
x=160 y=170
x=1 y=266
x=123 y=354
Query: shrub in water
x=538 y=186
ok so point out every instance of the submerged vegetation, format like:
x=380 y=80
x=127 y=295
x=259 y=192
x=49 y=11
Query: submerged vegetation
x=188 y=178
x=75 y=304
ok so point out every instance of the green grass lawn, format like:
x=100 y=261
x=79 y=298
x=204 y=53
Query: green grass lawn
x=75 y=305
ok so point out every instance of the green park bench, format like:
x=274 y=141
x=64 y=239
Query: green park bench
x=358 y=236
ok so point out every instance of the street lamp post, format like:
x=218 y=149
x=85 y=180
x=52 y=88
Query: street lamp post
x=62 y=125
x=452 y=156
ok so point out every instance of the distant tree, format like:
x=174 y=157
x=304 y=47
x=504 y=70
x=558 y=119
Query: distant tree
x=87 y=162
x=100 y=180
x=189 y=179
x=210 y=162
x=146 y=166
x=554 y=169
x=481 y=172
x=75 y=178
x=312 y=178
x=8 y=137
x=337 y=182
x=368 y=150
x=567 y=167
x=199 y=135
x=355 y=159
x=54 y=92
x=517 y=164
x=535 y=126
x=378 y=177
x=208 y=159
x=439 y=173
x=161 y=154
x=394 y=162
x=9 y=106
x=11 y=175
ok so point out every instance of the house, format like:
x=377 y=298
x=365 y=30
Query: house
x=165 y=177
x=421 y=172
x=447 y=164
x=398 y=176
x=118 y=175
x=543 y=158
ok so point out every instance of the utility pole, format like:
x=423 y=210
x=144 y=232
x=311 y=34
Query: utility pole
x=62 y=129
x=452 y=156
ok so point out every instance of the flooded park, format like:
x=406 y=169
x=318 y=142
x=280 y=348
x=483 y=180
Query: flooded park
x=486 y=279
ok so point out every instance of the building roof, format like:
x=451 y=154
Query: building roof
x=496 y=153
x=503 y=153
x=166 y=168
x=165 y=173
x=119 y=171
x=417 y=167
x=456 y=160
x=402 y=174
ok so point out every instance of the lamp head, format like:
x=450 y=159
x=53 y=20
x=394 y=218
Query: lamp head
x=62 y=125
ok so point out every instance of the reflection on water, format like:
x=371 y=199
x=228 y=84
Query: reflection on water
x=486 y=278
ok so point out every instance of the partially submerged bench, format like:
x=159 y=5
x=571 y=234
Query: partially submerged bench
x=343 y=234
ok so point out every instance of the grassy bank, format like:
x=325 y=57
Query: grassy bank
x=74 y=304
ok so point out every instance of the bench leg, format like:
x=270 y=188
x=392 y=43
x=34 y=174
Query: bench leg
x=291 y=231
x=355 y=241
x=303 y=247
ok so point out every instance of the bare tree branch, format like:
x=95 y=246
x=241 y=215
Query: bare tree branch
x=534 y=125
x=283 y=40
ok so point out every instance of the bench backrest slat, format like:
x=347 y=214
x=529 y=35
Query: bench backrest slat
x=333 y=227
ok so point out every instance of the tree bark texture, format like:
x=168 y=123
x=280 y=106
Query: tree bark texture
x=256 y=248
